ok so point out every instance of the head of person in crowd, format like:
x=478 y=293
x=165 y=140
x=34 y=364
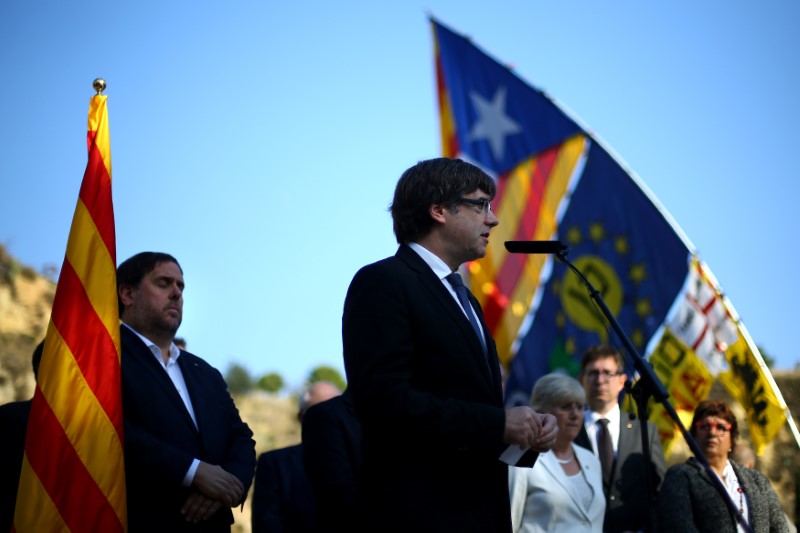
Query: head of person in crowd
x=444 y=204
x=715 y=429
x=180 y=342
x=317 y=392
x=603 y=377
x=150 y=295
x=36 y=359
x=744 y=455
x=564 y=398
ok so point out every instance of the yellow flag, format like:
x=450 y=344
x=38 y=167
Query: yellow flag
x=749 y=382
x=687 y=380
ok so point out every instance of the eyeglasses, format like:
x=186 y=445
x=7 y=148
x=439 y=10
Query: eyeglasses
x=722 y=427
x=595 y=374
x=484 y=204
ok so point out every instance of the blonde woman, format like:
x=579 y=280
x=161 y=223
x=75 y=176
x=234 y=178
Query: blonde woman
x=564 y=490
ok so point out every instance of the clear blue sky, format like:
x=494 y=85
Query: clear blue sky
x=260 y=142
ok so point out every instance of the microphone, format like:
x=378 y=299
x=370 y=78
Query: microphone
x=537 y=247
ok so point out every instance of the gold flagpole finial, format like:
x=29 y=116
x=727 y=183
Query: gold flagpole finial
x=99 y=85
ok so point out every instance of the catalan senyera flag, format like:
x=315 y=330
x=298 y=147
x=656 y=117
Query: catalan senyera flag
x=556 y=180
x=73 y=476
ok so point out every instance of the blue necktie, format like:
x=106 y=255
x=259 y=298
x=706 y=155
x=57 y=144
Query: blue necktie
x=461 y=292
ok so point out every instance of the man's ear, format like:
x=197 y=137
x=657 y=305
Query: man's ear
x=437 y=212
x=126 y=294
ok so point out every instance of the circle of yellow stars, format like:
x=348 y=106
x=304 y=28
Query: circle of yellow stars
x=637 y=274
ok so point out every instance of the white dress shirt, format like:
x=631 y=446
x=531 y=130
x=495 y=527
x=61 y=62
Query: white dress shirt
x=590 y=421
x=176 y=376
x=738 y=496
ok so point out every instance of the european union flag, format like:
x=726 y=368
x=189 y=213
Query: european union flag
x=629 y=252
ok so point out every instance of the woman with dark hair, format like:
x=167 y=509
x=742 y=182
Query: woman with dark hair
x=688 y=501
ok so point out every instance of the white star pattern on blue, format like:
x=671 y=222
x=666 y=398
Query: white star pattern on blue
x=493 y=124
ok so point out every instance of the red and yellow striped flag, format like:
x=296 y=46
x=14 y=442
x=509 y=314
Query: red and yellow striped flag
x=73 y=475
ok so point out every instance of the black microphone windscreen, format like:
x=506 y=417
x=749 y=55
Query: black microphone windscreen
x=536 y=247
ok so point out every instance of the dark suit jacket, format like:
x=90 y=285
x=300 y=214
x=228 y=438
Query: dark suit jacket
x=13 y=426
x=689 y=502
x=627 y=505
x=430 y=405
x=333 y=456
x=161 y=440
x=282 y=497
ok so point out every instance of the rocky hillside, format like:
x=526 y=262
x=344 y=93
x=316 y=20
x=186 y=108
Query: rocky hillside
x=25 y=302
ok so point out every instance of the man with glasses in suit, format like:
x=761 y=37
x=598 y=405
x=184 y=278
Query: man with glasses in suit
x=615 y=438
x=423 y=369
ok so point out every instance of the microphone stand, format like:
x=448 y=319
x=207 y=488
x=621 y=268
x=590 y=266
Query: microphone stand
x=649 y=385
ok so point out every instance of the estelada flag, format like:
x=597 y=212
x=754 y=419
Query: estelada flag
x=73 y=476
x=554 y=180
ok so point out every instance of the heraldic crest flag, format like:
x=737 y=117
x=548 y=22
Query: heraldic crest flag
x=558 y=181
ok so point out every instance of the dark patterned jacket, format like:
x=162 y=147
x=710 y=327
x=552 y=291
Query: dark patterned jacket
x=688 y=501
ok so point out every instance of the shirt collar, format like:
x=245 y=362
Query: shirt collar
x=174 y=351
x=613 y=416
x=728 y=475
x=436 y=263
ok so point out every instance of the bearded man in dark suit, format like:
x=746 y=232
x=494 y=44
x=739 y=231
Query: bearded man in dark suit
x=423 y=369
x=189 y=457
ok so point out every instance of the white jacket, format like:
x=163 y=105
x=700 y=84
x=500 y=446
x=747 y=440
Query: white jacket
x=543 y=499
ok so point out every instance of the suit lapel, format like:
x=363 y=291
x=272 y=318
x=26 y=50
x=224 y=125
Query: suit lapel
x=626 y=445
x=557 y=473
x=492 y=357
x=190 y=377
x=141 y=356
x=443 y=298
x=753 y=510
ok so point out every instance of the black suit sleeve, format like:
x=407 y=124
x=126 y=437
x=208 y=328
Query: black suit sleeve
x=332 y=458
x=675 y=506
x=239 y=456
x=13 y=426
x=266 y=497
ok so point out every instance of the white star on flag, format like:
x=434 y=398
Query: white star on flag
x=493 y=124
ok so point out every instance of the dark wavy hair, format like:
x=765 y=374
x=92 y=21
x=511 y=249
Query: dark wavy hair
x=719 y=409
x=131 y=271
x=435 y=181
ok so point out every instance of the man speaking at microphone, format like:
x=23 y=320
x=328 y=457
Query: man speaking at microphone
x=423 y=369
